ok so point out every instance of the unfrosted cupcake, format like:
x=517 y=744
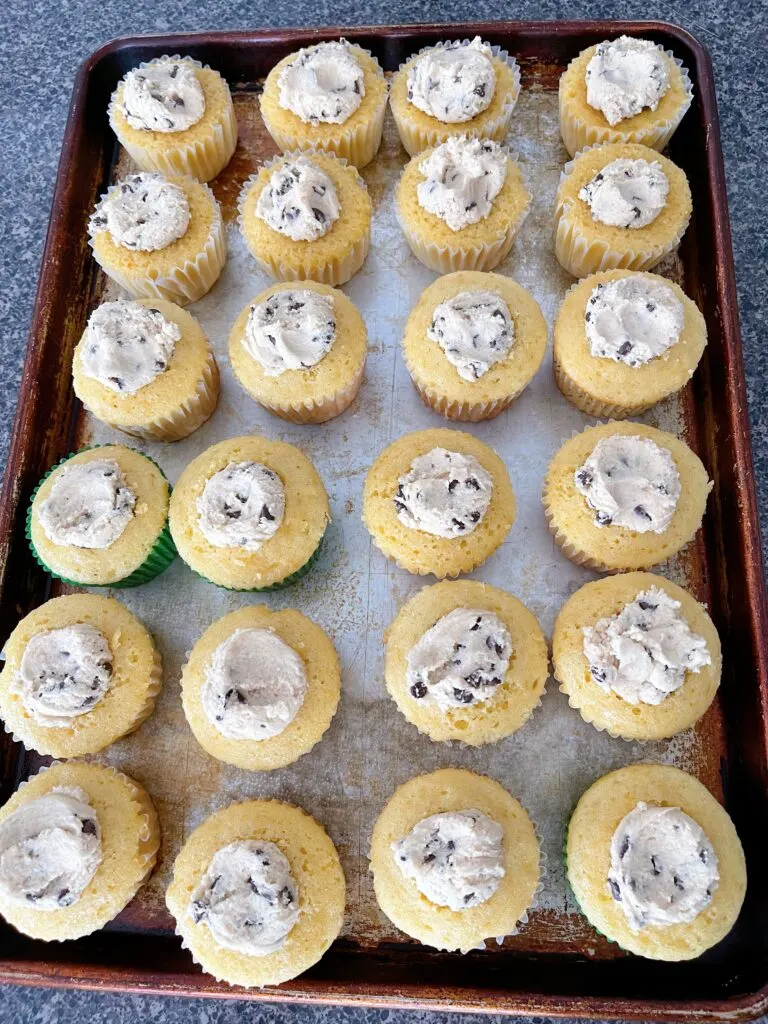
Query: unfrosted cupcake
x=261 y=687
x=461 y=204
x=146 y=368
x=466 y=87
x=300 y=351
x=655 y=862
x=636 y=655
x=77 y=841
x=623 y=90
x=159 y=238
x=624 y=340
x=624 y=496
x=100 y=519
x=80 y=672
x=438 y=501
x=175 y=115
x=257 y=893
x=472 y=343
x=331 y=97
x=249 y=514
x=455 y=860
x=307 y=216
x=465 y=661
x=619 y=205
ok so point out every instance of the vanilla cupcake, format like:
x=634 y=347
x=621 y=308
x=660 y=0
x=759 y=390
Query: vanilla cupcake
x=438 y=501
x=461 y=204
x=619 y=205
x=455 y=860
x=625 y=340
x=457 y=88
x=175 y=115
x=249 y=514
x=261 y=687
x=472 y=343
x=279 y=870
x=77 y=841
x=465 y=661
x=655 y=862
x=80 y=672
x=623 y=90
x=637 y=656
x=300 y=351
x=307 y=216
x=330 y=97
x=159 y=238
x=146 y=368
x=100 y=519
x=624 y=496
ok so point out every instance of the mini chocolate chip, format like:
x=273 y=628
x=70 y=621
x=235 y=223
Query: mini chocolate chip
x=468 y=897
x=418 y=690
x=88 y=826
x=615 y=891
x=641 y=513
x=625 y=349
x=428 y=858
x=199 y=910
x=476 y=626
x=458 y=523
x=655 y=865
x=319 y=215
x=603 y=519
x=452 y=485
x=624 y=847
x=646 y=606
x=266 y=514
x=584 y=477
x=463 y=696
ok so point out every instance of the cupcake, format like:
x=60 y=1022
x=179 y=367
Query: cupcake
x=330 y=97
x=249 y=514
x=80 y=672
x=260 y=687
x=175 y=115
x=458 y=88
x=146 y=368
x=438 y=501
x=637 y=656
x=455 y=860
x=100 y=519
x=257 y=893
x=655 y=863
x=159 y=238
x=472 y=343
x=619 y=205
x=307 y=216
x=300 y=351
x=465 y=661
x=624 y=496
x=461 y=204
x=77 y=842
x=625 y=340
x=623 y=90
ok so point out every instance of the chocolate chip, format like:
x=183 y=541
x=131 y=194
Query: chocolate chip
x=615 y=891
x=468 y=897
x=458 y=523
x=641 y=513
x=603 y=519
x=655 y=865
x=678 y=883
x=584 y=477
x=286 y=896
x=88 y=826
x=646 y=606
x=452 y=485
x=472 y=483
x=463 y=696
x=418 y=690
x=199 y=910
x=476 y=626
x=625 y=348
x=624 y=848
x=266 y=514
x=480 y=90
x=319 y=215
x=428 y=858
x=703 y=856
x=65 y=898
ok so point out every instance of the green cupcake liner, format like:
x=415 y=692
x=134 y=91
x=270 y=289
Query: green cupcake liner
x=159 y=558
x=292 y=578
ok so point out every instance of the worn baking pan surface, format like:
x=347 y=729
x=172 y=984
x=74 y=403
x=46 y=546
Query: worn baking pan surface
x=557 y=963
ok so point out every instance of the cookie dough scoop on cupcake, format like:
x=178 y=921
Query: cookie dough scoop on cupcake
x=159 y=237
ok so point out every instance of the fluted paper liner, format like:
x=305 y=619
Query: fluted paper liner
x=287 y=581
x=588 y=403
x=313 y=411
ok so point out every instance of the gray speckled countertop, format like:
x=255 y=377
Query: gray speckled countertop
x=41 y=45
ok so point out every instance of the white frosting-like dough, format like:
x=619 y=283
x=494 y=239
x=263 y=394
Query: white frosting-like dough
x=630 y=481
x=463 y=177
x=462 y=659
x=324 y=83
x=453 y=83
x=627 y=193
x=633 y=320
x=241 y=506
x=291 y=330
x=455 y=859
x=144 y=211
x=163 y=97
x=625 y=76
x=89 y=506
x=663 y=867
x=255 y=684
x=443 y=493
x=644 y=652
x=247 y=897
x=50 y=849
x=299 y=201
x=127 y=345
x=475 y=330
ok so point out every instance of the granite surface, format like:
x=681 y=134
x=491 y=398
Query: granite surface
x=42 y=44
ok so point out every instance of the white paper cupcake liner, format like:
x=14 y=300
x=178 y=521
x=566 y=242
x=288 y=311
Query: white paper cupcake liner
x=321 y=411
x=588 y=403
